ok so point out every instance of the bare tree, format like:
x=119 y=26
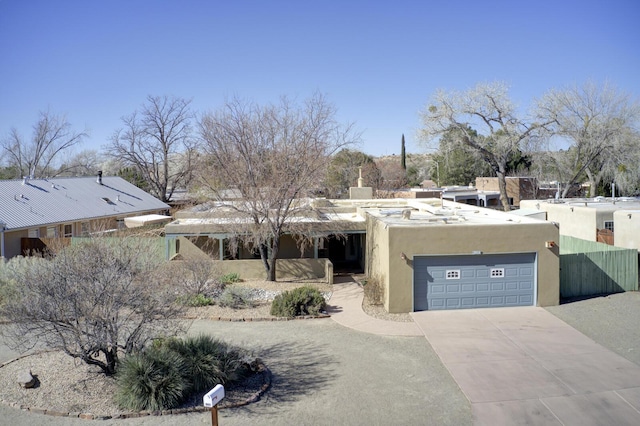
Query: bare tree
x=488 y=109
x=95 y=301
x=274 y=155
x=85 y=163
x=157 y=142
x=52 y=136
x=599 y=122
x=393 y=175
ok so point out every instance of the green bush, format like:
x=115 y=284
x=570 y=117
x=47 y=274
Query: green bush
x=151 y=380
x=195 y=300
x=230 y=278
x=174 y=370
x=299 y=301
x=236 y=297
x=201 y=356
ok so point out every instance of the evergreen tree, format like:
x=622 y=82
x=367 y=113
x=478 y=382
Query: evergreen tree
x=403 y=155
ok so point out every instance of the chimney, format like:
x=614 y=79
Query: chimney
x=99 y=177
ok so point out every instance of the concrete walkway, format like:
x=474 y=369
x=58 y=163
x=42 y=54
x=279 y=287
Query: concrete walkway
x=525 y=366
x=345 y=308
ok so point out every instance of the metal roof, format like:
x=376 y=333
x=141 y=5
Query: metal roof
x=40 y=202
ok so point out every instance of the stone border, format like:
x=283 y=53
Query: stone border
x=260 y=319
x=262 y=370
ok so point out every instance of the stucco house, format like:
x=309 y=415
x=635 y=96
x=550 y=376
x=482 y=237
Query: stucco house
x=615 y=221
x=32 y=210
x=425 y=253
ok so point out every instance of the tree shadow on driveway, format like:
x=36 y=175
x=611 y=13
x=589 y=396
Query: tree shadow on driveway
x=298 y=370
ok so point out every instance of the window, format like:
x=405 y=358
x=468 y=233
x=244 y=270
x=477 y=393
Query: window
x=497 y=273
x=52 y=232
x=608 y=224
x=84 y=226
x=453 y=274
x=68 y=231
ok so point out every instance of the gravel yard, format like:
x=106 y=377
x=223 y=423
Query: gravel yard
x=612 y=321
x=70 y=386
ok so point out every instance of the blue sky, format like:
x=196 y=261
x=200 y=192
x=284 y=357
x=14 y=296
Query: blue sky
x=378 y=62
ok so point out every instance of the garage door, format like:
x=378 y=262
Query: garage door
x=478 y=281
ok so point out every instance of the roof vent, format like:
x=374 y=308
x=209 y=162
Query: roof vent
x=25 y=180
x=99 y=181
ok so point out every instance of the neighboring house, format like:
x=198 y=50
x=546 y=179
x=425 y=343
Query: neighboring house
x=458 y=194
x=518 y=188
x=472 y=196
x=425 y=253
x=32 y=210
x=612 y=221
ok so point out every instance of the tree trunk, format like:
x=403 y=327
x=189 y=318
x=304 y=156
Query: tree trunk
x=275 y=247
x=264 y=256
x=502 y=185
x=594 y=181
x=112 y=359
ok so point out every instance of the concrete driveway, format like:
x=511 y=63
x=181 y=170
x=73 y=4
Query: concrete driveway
x=526 y=366
x=323 y=374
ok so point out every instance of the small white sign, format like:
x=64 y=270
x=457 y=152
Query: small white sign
x=214 y=396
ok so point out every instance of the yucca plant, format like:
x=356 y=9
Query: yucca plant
x=151 y=380
x=200 y=356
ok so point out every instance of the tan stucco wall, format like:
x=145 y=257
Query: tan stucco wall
x=285 y=268
x=626 y=225
x=459 y=239
x=289 y=249
x=574 y=221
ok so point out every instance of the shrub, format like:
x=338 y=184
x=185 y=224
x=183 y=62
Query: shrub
x=299 y=301
x=200 y=359
x=193 y=277
x=10 y=273
x=151 y=380
x=373 y=291
x=171 y=371
x=230 y=278
x=195 y=300
x=236 y=297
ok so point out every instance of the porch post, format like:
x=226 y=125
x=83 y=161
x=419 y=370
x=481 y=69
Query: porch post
x=315 y=247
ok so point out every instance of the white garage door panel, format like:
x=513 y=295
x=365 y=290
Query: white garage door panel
x=459 y=282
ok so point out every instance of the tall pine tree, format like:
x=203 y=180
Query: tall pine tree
x=403 y=156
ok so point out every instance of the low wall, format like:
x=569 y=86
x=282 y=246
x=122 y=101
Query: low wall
x=285 y=268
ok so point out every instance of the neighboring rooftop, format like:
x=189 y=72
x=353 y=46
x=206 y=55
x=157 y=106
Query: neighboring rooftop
x=443 y=212
x=38 y=202
x=598 y=203
x=352 y=214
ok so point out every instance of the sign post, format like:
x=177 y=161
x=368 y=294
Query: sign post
x=211 y=399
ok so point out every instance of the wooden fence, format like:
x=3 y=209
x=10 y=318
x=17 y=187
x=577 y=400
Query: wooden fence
x=588 y=268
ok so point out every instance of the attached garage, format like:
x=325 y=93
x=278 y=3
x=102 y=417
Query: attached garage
x=474 y=281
